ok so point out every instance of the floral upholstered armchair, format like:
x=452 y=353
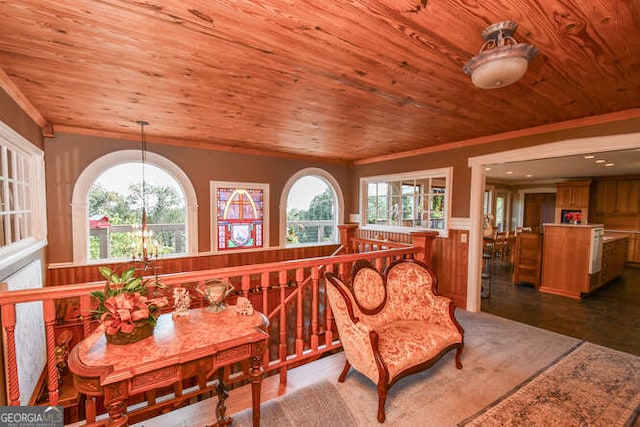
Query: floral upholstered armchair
x=393 y=325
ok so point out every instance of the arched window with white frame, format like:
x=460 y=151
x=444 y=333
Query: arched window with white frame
x=313 y=206
x=107 y=207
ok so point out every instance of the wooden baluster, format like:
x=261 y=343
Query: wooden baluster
x=9 y=324
x=282 y=353
x=52 y=369
x=265 y=285
x=342 y=271
x=90 y=409
x=246 y=285
x=315 y=306
x=379 y=265
x=85 y=314
x=300 y=312
x=328 y=319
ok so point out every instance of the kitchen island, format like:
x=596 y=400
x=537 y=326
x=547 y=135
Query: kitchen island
x=572 y=259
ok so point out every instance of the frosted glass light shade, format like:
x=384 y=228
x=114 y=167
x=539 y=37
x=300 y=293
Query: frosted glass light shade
x=499 y=72
x=502 y=60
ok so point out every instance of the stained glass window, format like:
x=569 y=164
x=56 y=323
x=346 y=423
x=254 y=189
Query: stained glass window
x=240 y=217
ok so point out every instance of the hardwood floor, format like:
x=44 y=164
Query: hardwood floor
x=609 y=317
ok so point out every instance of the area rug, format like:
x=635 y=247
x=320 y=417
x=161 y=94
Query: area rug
x=589 y=386
x=500 y=358
x=317 y=405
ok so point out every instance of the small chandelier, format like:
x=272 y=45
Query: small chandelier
x=141 y=250
x=502 y=60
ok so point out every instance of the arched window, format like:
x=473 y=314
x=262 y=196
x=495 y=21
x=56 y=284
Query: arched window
x=313 y=205
x=107 y=206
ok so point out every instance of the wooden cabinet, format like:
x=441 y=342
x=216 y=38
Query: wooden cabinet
x=614 y=255
x=628 y=196
x=632 y=240
x=566 y=260
x=573 y=194
x=527 y=258
x=617 y=196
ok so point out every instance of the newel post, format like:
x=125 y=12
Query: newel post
x=424 y=241
x=347 y=233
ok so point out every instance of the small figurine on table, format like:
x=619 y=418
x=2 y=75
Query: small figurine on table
x=181 y=302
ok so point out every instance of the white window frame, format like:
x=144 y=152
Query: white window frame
x=339 y=203
x=446 y=173
x=213 y=186
x=35 y=197
x=80 y=199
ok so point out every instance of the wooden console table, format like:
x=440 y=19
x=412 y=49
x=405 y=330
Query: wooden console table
x=181 y=347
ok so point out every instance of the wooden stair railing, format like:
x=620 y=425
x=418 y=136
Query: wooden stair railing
x=255 y=281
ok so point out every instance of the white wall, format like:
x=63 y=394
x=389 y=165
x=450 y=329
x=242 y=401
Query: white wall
x=30 y=338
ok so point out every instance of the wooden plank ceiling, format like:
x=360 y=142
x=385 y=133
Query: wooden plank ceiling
x=337 y=79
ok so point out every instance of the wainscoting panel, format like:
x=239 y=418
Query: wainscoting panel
x=451 y=263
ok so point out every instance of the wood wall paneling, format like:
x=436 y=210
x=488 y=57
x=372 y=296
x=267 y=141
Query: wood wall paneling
x=451 y=263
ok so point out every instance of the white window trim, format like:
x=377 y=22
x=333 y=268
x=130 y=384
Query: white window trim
x=331 y=181
x=37 y=194
x=430 y=173
x=79 y=203
x=213 y=186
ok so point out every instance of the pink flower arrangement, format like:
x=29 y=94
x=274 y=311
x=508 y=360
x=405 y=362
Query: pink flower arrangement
x=575 y=217
x=125 y=301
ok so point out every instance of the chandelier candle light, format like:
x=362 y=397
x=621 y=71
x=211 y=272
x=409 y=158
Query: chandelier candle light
x=140 y=248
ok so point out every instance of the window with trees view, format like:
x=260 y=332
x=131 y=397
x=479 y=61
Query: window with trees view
x=417 y=200
x=312 y=212
x=115 y=210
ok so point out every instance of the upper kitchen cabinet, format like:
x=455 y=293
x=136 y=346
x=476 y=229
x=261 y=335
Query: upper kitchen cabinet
x=617 y=196
x=573 y=194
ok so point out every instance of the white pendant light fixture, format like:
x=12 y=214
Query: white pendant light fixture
x=502 y=60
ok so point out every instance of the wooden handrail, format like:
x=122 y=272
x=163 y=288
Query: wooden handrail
x=313 y=319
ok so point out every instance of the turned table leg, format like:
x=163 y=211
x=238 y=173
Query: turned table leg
x=255 y=376
x=115 y=401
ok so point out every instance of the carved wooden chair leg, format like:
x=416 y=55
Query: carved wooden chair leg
x=382 y=399
x=345 y=371
x=458 y=354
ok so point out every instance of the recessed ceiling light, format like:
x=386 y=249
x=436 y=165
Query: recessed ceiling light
x=589 y=156
x=487 y=169
x=600 y=161
x=509 y=172
x=528 y=175
x=609 y=164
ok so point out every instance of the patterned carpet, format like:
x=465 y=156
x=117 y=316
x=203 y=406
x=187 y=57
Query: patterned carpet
x=590 y=386
x=318 y=405
x=513 y=375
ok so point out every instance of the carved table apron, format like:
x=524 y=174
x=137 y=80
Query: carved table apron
x=179 y=348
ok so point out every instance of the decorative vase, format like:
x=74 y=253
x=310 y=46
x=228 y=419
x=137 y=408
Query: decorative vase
x=215 y=291
x=142 y=330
